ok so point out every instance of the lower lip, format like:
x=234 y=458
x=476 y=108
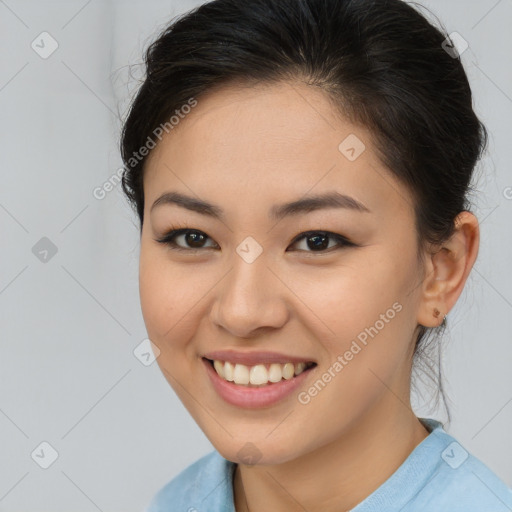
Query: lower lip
x=252 y=398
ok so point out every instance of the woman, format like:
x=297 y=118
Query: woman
x=300 y=171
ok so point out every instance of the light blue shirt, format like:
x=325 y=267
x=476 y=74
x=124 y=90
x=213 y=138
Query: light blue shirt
x=439 y=475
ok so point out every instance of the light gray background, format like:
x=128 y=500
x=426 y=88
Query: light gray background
x=69 y=326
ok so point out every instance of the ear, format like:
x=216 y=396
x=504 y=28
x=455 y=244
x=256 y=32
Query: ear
x=446 y=270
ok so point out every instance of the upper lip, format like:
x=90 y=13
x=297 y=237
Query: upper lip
x=254 y=358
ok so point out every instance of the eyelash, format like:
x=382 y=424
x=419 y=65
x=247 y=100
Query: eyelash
x=168 y=239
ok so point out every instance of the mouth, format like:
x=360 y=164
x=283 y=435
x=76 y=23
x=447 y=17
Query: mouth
x=257 y=386
x=258 y=375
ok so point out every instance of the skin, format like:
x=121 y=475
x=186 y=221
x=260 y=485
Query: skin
x=245 y=150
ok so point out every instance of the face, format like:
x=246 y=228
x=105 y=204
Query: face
x=333 y=285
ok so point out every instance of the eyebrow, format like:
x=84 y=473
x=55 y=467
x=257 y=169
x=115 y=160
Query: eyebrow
x=277 y=212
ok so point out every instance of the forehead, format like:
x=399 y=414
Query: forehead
x=270 y=142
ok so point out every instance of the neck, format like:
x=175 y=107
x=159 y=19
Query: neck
x=336 y=476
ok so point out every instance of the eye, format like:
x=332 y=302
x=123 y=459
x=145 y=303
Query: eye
x=318 y=241
x=193 y=237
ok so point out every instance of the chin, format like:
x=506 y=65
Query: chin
x=257 y=452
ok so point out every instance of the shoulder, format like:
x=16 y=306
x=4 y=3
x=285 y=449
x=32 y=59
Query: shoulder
x=208 y=477
x=459 y=481
x=441 y=475
x=464 y=483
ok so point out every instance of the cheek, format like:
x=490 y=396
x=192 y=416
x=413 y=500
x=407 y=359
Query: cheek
x=172 y=299
x=347 y=299
x=160 y=292
x=164 y=309
x=153 y=298
x=364 y=318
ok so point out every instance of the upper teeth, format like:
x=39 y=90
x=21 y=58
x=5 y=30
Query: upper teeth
x=259 y=374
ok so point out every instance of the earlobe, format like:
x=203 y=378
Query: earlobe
x=436 y=313
x=447 y=270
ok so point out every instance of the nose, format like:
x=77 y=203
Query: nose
x=250 y=300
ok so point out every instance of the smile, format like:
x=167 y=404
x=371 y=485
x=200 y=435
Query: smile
x=260 y=374
x=258 y=385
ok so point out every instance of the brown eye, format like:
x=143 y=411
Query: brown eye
x=318 y=241
x=191 y=239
